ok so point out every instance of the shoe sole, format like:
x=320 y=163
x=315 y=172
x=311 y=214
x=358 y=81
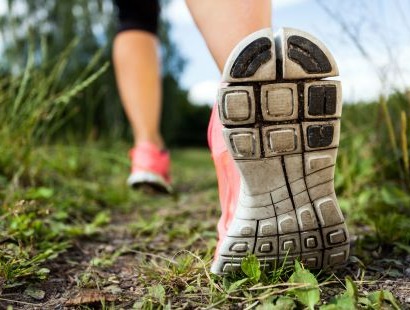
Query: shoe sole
x=149 y=183
x=281 y=125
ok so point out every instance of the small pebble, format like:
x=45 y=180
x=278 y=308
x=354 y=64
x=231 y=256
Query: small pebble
x=109 y=248
x=388 y=282
x=408 y=259
x=407 y=300
x=407 y=272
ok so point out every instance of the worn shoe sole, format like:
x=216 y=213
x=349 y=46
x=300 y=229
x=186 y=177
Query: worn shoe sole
x=281 y=125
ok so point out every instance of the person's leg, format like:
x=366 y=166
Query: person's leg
x=223 y=23
x=137 y=69
x=138 y=77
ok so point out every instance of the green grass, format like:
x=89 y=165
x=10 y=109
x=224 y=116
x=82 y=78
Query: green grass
x=67 y=205
x=372 y=176
x=78 y=194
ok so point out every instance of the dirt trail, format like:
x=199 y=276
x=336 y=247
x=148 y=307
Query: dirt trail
x=140 y=250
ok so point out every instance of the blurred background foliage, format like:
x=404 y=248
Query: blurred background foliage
x=47 y=27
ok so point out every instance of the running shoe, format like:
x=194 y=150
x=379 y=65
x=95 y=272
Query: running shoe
x=275 y=146
x=150 y=168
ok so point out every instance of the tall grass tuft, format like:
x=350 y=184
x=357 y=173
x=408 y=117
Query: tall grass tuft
x=373 y=167
x=34 y=105
x=36 y=213
x=404 y=143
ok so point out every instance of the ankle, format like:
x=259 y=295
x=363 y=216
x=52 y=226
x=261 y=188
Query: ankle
x=157 y=141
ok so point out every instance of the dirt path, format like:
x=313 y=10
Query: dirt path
x=158 y=250
x=125 y=257
x=129 y=258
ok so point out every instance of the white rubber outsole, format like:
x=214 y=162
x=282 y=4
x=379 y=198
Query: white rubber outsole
x=282 y=124
x=152 y=180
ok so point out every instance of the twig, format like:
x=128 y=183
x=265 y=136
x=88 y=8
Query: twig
x=152 y=255
x=255 y=288
x=216 y=304
x=19 y=302
x=204 y=266
x=252 y=305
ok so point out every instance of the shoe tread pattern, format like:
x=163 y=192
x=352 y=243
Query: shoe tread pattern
x=283 y=135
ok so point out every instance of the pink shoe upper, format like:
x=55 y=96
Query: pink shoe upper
x=227 y=174
x=147 y=157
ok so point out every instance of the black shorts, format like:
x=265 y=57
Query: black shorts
x=138 y=15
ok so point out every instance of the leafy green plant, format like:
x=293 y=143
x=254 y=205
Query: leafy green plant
x=278 y=303
x=378 y=298
x=251 y=268
x=347 y=301
x=308 y=293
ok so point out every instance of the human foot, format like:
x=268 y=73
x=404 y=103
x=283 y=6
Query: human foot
x=281 y=126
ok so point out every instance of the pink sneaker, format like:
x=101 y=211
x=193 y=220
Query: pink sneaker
x=150 y=168
x=275 y=149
